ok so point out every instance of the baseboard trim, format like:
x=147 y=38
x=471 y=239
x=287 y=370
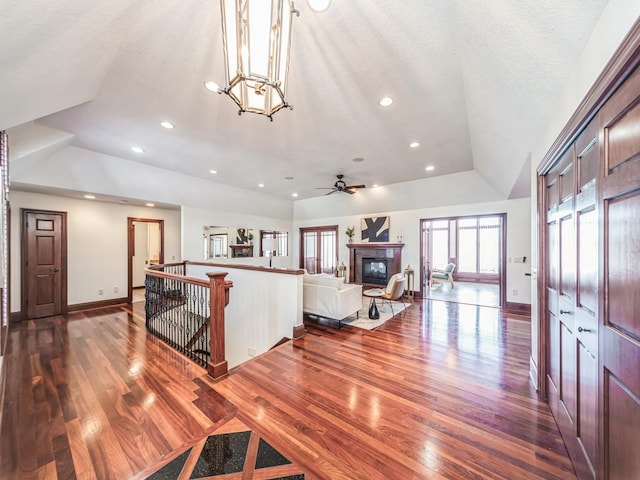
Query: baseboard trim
x=533 y=373
x=17 y=316
x=299 y=331
x=517 y=308
x=99 y=304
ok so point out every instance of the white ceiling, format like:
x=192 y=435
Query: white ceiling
x=473 y=81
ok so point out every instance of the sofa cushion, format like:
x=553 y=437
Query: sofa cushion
x=324 y=280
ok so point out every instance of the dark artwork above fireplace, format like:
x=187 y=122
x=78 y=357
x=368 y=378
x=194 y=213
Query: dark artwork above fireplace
x=374 y=270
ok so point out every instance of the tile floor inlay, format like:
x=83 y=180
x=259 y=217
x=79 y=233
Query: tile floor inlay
x=222 y=454
x=172 y=469
x=269 y=456
x=226 y=453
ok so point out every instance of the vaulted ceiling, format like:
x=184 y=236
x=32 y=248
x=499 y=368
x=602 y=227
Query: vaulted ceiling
x=474 y=82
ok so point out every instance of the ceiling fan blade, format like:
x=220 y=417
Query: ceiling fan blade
x=356 y=186
x=332 y=191
x=325 y=188
x=350 y=192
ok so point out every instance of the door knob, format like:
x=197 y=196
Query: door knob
x=562 y=312
x=580 y=329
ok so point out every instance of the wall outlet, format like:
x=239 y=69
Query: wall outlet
x=101 y=292
x=515 y=292
x=115 y=289
x=173 y=257
x=252 y=352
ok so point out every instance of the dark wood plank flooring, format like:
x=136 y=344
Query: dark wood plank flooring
x=440 y=391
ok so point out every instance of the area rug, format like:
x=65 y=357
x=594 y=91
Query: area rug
x=362 y=319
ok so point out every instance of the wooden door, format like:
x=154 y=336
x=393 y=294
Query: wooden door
x=619 y=360
x=572 y=302
x=319 y=249
x=44 y=291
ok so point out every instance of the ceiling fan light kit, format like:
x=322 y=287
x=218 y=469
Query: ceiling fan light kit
x=341 y=186
x=256 y=38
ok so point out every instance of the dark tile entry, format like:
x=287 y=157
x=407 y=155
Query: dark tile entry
x=225 y=454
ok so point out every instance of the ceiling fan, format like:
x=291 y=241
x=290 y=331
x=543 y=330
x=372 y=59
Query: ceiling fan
x=341 y=186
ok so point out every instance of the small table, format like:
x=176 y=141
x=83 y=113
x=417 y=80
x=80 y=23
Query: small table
x=373 y=308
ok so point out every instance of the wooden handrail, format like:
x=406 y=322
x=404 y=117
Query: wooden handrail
x=218 y=288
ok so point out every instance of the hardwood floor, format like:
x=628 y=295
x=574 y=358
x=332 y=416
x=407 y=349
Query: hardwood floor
x=93 y=396
x=440 y=392
x=485 y=294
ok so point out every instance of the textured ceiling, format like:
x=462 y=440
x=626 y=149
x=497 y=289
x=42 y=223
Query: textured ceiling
x=473 y=81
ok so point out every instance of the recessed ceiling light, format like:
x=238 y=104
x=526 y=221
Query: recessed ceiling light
x=261 y=185
x=294 y=194
x=430 y=168
x=385 y=101
x=137 y=149
x=213 y=171
x=319 y=5
x=414 y=144
x=375 y=185
x=90 y=197
x=150 y=204
x=358 y=159
x=167 y=125
x=212 y=87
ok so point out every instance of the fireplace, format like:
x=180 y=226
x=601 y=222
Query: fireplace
x=388 y=253
x=374 y=270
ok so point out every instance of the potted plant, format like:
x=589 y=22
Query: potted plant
x=250 y=237
x=350 y=232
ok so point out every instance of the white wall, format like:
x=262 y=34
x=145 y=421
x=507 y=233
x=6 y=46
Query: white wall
x=447 y=196
x=407 y=224
x=96 y=243
x=194 y=220
x=614 y=24
x=264 y=306
x=455 y=189
x=74 y=168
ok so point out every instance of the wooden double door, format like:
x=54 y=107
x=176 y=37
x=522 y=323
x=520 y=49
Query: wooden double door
x=591 y=288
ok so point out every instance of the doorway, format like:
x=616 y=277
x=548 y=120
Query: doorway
x=319 y=249
x=476 y=245
x=44 y=263
x=145 y=248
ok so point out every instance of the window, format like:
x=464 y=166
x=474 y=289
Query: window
x=281 y=243
x=440 y=243
x=479 y=245
x=319 y=249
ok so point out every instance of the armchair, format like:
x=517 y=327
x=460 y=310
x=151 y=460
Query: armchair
x=439 y=276
x=394 y=290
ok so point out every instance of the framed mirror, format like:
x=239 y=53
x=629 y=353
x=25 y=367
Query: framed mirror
x=216 y=242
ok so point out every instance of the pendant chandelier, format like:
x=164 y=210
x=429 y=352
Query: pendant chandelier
x=257 y=43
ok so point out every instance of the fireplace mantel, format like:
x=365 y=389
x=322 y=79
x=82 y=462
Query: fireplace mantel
x=390 y=251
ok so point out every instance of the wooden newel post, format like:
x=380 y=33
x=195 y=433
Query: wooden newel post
x=217 y=367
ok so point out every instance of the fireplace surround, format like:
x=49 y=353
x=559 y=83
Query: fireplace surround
x=374 y=270
x=391 y=252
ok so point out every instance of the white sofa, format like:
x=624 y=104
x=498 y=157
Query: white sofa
x=329 y=297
